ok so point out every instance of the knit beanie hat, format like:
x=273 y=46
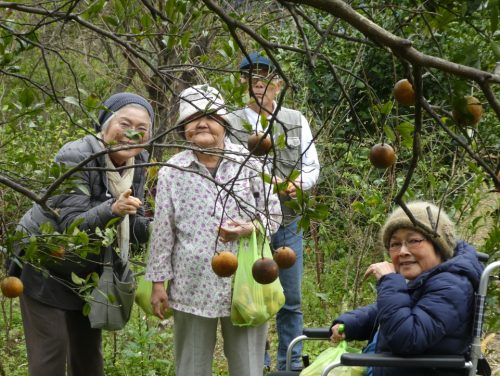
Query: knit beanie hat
x=120 y=100
x=429 y=215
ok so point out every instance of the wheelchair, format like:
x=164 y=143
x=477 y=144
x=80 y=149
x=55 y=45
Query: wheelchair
x=469 y=363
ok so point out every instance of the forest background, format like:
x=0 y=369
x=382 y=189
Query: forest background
x=339 y=60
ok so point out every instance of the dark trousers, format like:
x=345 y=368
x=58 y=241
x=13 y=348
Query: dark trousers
x=55 y=337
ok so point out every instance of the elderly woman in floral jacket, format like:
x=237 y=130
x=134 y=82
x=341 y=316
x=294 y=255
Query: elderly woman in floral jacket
x=201 y=189
x=425 y=297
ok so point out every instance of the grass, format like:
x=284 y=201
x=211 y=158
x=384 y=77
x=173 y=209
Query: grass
x=145 y=346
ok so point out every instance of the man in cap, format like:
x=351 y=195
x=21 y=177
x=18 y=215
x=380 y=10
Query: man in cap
x=299 y=154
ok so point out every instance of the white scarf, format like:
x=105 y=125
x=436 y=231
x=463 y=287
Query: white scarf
x=117 y=185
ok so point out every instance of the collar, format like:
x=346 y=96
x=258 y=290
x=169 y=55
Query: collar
x=251 y=112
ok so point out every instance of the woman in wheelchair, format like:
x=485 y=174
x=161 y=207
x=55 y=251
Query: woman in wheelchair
x=425 y=297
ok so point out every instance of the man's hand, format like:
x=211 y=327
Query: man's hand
x=126 y=204
x=159 y=299
x=291 y=190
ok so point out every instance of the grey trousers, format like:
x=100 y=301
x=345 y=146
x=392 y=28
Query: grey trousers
x=55 y=337
x=194 y=343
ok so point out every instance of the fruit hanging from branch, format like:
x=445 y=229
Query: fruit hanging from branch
x=11 y=287
x=285 y=257
x=224 y=263
x=382 y=155
x=265 y=271
x=58 y=252
x=468 y=111
x=403 y=92
x=259 y=144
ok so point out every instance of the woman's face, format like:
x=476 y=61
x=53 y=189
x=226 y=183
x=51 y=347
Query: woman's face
x=129 y=126
x=411 y=253
x=205 y=132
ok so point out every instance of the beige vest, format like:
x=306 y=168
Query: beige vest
x=287 y=126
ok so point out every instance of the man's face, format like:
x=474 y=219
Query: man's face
x=263 y=85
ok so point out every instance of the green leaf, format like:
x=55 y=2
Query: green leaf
x=119 y=11
x=319 y=211
x=111 y=298
x=293 y=204
x=406 y=129
x=55 y=170
x=94 y=277
x=186 y=39
x=146 y=21
x=170 y=9
x=82 y=238
x=322 y=296
x=389 y=133
x=26 y=97
x=73 y=226
x=47 y=228
x=86 y=309
x=267 y=178
x=294 y=175
x=248 y=127
x=112 y=222
x=494 y=5
x=111 y=20
x=495 y=47
x=72 y=100
x=92 y=102
x=134 y=135
x=264 y=122
x=280 y=187
x=93 y=10
x=84 y=189
x=77 y=280
x=281 y=141
x=31 y=248
x=386 y=108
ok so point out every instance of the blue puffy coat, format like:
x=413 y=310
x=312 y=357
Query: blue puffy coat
x=431 y=314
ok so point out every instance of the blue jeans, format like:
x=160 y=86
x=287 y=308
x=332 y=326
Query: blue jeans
x=289 y=320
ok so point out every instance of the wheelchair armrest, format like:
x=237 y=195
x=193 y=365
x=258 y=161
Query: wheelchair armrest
x=319 y=333
x=483 y=257
x=390 y=360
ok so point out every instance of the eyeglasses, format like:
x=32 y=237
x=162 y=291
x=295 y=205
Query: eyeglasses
x=411 y=244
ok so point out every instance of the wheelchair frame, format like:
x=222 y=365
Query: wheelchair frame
x=419 y=361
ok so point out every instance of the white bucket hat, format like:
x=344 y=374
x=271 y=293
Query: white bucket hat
x=200 y=99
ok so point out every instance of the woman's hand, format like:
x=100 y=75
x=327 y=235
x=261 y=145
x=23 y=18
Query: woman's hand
x=126 y=204
x=233 y=230
x=336 y=336
x=379 y=270
x=159 y=299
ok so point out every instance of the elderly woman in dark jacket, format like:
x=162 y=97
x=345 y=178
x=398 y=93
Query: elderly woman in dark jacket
x=424 y=297
x=58 y=335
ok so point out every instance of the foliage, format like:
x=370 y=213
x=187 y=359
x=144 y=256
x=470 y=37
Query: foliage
x=55 y=69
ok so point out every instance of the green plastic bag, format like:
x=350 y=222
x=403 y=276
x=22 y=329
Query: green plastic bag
x=253 y=303
x=330 y=355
